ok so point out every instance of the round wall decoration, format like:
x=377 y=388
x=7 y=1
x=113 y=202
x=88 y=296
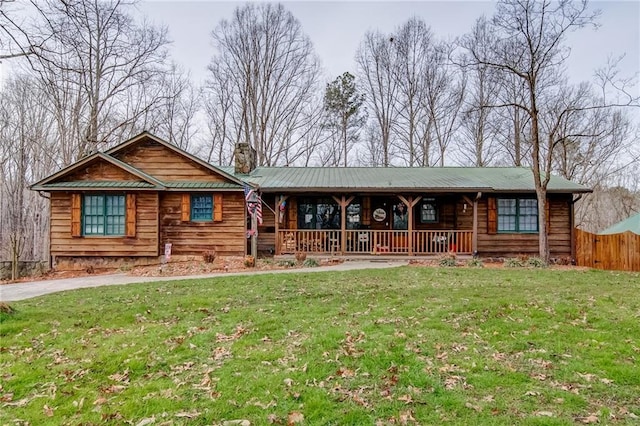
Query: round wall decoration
x=379 y=214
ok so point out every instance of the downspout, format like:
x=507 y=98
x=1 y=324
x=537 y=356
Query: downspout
x=572 y=227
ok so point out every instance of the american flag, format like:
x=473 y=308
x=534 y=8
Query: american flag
x=251 y=208
x=259 y=210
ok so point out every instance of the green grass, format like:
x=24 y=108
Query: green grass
x=393 y=346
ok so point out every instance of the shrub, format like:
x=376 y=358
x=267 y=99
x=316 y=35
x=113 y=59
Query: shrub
x=513 y=263
x=249 y=261
x=475 y=263
x=287 y=263
x=447 y=260
x=209 y=256
x=564 y=260
x=301 y=256
x=536 y=262
x=311 y=263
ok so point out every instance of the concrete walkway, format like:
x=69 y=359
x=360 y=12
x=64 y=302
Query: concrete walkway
x=28 y=290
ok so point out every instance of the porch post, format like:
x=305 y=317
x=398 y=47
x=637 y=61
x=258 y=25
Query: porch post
x=279 y=200
x=343 y=202
x=410 y=203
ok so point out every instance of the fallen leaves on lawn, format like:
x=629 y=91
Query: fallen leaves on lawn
x=592 y=418
x=349 y=344
x=147 y=421
x=407 y=399
x=454 y=381
x=221 y=353
x=471 y=406
x=187 y=414
x=48 y=411
x=120 y=377
x=101 y=400
x=345 y=372
x=239 y=332
x=240 y=422
x=295 y=417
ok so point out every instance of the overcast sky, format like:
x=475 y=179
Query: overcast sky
x=336 y=29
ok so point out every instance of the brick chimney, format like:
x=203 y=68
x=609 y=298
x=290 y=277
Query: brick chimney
x=245 y=157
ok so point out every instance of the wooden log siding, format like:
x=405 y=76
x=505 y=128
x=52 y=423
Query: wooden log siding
x=144 y=243
x=102 y=170
x=227 y=237
x=166 y=165
x=511 y=244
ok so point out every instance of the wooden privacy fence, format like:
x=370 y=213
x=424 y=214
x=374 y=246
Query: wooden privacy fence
x=615 y=251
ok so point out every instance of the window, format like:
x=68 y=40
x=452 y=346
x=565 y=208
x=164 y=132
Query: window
x=319 y=213
x=103 y=215
x=428 y=211
x=517 y=215
x=400 y=216
x=354 y=213
x=201 y=208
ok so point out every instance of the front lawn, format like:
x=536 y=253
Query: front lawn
x=408 y=345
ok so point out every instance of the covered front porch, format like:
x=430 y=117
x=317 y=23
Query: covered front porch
x=343 y=242
x=376 y=224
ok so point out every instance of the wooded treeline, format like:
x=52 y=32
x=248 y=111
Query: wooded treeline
x=90 y=74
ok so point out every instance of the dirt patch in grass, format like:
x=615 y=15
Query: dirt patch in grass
x=58 y=275
x=227 y=264
x=185 y=268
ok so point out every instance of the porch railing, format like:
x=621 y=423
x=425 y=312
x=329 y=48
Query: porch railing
x=360 y=241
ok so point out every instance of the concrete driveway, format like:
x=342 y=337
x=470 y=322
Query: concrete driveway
x=28 y=290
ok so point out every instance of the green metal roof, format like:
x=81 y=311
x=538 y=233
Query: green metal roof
x=389 y=179
x=202 y=185
x=125 y=184
x=629 y=224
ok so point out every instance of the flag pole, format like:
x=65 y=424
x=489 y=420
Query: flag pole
x=254 y=235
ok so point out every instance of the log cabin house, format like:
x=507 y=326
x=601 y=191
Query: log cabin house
x=126 y=204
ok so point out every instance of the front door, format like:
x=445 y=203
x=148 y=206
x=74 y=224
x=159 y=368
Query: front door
x=381 y=213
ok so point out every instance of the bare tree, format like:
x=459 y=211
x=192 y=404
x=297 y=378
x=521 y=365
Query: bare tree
x=376 y=62
x=95 y=52
x=480 y=126
x=414 y=44
x=175 y=110
x=444 y=96
x=310 y=137
x=529 y=47
x=372 y=151
x=413 y=91
x=24 y=157
x=15 y=42
x=218 y=104
x=270 y=72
